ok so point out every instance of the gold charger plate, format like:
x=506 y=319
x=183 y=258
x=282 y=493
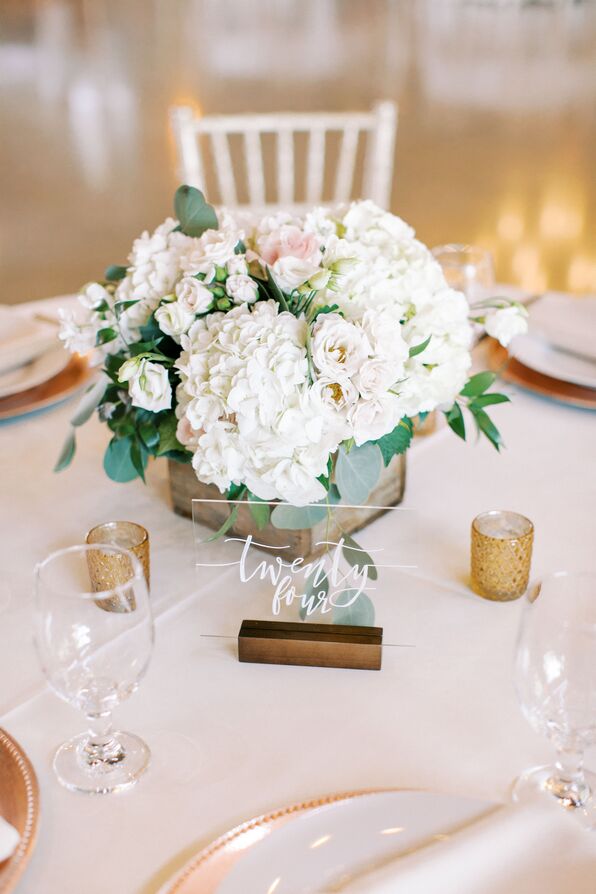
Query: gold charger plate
x=70 y=380
x=19 y=805
x=204 y=872
x=511 y=370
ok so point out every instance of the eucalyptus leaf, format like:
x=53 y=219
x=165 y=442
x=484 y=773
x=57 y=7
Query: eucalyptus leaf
x=90 y=401
x=357 y=557
x=115 y=272
x=67 y=452
x=357 y=472
x=193 y=212
x=296 y=518
x=360 y=613
x=317 y=593
x=138 y=457
x=117 y=461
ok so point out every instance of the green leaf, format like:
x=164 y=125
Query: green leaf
x=67 y=452
x=276 y=292
x=104 y=336
x=138 y=457
x=239 y=248
x=115 y=273
x=193 y=212
x=478 y=384
x=117 y=461
x=357 y=472
x=226 y=525
x=418 y=349
x=316 y=592
x=357 y=557
x=90 y=401
x=326 y=309
x=396 y=441
x=360 y=613
x=486 y=400
x=121 y=306
x=455 y=420
x=488 y=428
x=150 y=331
x=235 y=491
x=167 y=434
x=296 y=518
x=260 y=511
x=149 y=435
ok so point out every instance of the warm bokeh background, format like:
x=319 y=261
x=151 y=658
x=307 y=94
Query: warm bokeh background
x=496 y=142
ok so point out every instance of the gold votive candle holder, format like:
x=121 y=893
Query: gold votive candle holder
x=501 y=554
x=107 y=569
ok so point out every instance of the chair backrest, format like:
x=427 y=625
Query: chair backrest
x=271 y=173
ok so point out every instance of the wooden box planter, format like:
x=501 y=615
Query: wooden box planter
x=185 y=487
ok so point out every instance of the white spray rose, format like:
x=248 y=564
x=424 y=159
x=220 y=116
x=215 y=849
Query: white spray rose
x=148 y=384
x=242 y=289
x=375 y=377
x=339 y=348
x=193 y=295
x=289 y=272
x=506 y=323
x=174 y=318
x=236 y=265
x=94 y=294
x=371 y=419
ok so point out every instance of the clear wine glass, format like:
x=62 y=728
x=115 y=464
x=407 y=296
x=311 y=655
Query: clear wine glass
x=467 y=268
x=94 y=636
x=555 y=675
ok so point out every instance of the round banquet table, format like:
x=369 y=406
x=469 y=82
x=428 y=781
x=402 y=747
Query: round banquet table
x=232 y=740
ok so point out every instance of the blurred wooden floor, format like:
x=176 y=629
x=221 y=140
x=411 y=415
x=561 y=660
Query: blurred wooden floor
x=496 y=143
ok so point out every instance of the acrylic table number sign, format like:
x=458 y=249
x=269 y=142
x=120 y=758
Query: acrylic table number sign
x=298 y=595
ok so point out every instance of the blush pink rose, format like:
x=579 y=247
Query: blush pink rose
x=289 y=241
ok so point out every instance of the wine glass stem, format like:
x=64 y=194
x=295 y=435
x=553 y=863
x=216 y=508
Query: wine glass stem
x=101 y=748
x=569 y=784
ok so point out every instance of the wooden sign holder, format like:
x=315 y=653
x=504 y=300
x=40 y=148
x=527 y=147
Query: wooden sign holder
x=313 y=645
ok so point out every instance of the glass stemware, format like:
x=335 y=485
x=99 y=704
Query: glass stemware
x=555 y=676
x=467 y=268
x=94 y=647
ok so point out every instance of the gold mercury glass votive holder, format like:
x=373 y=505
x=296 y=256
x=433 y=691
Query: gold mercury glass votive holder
x=501 y=554
x=106 y=569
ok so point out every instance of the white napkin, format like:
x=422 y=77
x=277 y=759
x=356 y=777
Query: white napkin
x=566 y=322
x=22 y=338
x=9 y=839
x=516 y=850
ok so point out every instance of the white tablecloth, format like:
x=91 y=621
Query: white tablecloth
x=232 y=740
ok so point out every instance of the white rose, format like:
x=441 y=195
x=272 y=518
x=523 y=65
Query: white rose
x=78 y=330
x=241 y=288
x=289 y=272
x=174 y=318
x=374 y=378
x=237 y=264
x=193 y=295
x=148 y=384
x=339 y=348
x=506 y=323
x=371 y=419
x=215 y=247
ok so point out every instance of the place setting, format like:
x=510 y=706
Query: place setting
x=299 y=593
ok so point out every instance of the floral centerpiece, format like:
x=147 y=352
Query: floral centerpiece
x=258 y=349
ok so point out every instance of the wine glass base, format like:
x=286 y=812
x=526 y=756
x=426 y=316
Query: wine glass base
x=539 y=784
x=76 y=774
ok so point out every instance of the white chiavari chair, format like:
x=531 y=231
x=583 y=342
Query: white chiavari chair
x=270 y=179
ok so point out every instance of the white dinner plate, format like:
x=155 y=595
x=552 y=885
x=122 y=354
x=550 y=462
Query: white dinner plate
x=345 y=839
x=39 y=370
x=539 y=355
x=566 y=322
